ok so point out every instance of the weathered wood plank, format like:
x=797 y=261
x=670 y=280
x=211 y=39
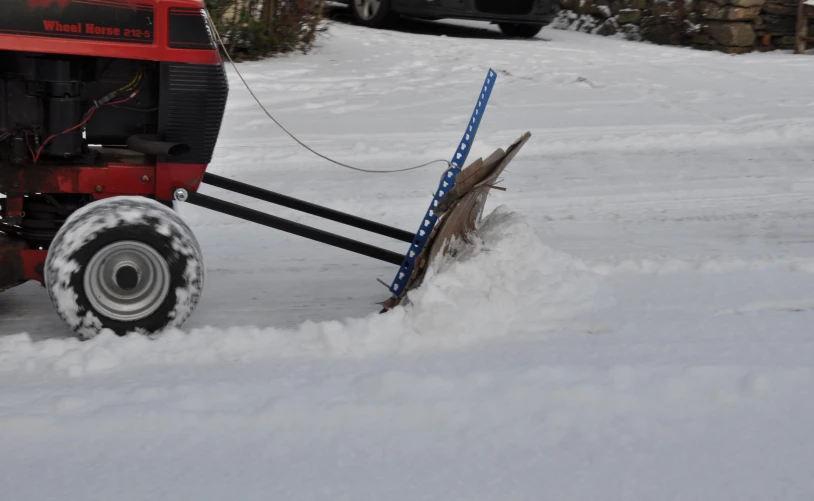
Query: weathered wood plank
x=460 y=211
x=801 y=37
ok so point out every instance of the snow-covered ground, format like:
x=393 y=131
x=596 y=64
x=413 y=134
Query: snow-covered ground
x=635 y=324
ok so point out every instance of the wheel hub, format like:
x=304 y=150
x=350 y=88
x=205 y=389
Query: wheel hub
x=367 y=9
x=127 y=281
x=127 y=277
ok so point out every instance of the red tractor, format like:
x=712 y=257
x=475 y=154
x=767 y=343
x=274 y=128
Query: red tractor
x=106 y=108
x=110 y=111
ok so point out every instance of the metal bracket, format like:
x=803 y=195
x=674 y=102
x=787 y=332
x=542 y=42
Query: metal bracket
x=287 y=226
x=447 y=182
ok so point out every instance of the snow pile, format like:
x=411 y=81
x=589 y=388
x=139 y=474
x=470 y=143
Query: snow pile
x=506 y=281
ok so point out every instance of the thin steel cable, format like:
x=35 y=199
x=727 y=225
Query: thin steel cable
x=295 y=138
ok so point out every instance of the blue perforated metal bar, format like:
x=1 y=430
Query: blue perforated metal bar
x=448 y=181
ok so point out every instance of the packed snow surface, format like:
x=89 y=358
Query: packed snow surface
x=631 y=321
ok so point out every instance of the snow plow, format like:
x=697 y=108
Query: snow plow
x=109 y=116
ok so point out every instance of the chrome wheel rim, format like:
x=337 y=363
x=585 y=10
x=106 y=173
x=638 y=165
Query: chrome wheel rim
x=127 y=281
x=367 y=9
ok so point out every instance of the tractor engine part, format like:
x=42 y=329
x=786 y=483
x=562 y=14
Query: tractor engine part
x=99 y=100
x=45 y=99
x=151 y=145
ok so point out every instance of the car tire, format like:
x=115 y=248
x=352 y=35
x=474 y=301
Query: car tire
x=373 y=13
x=514 y=30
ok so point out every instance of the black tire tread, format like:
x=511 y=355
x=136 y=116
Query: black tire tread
x=160 y=227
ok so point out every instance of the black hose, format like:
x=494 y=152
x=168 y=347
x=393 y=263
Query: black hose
x=150 y=145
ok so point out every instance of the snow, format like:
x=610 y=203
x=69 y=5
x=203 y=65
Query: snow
x=632 y=321
x=506 y=279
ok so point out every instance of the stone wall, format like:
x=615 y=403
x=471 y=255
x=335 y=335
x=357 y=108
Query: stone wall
x=730 y=26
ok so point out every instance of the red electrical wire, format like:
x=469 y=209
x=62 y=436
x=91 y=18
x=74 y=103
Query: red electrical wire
x=114 y=103
x=80 y=125
x=44 y=143
x=29 y=145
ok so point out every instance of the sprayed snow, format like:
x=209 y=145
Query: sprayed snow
x=507 y=281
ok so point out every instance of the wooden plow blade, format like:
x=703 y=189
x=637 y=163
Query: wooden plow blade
x=459 y=213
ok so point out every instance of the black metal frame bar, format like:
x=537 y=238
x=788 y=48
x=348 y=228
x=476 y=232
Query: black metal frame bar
x=281 y=224
x=307 y=207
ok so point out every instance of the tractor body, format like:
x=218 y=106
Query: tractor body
x=101 y=99
x=58 y=59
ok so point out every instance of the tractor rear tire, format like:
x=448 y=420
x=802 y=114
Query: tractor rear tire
x=130 y=265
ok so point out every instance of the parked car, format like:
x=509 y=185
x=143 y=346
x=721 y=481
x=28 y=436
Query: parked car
x=516 y=18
